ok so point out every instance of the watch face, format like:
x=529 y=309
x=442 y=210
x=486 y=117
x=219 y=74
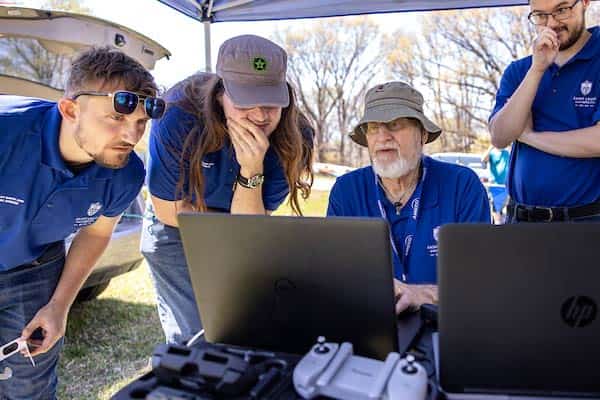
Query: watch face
x=256 y=180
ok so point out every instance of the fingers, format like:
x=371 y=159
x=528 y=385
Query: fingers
x=547 y=38
x=250 y=143
x=403 y=303
x=50 y=332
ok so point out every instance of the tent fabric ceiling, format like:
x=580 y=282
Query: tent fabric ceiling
x=260 y=10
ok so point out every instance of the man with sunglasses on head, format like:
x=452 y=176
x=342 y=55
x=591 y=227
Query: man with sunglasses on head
x=413 y=193
x=548 y=108
x=64 y=167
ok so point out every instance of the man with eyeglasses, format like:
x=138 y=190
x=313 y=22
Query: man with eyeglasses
x=548 y=107
x=64 y=167
x=413 y=193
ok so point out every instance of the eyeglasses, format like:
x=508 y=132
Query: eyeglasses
x=372 y=128
x=125 y=102
x=560 y=14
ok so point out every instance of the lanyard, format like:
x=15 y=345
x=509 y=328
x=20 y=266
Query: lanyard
x=411 y=225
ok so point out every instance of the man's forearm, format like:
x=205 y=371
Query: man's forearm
x=83 y=254
x=508 y=124
x=578 y=143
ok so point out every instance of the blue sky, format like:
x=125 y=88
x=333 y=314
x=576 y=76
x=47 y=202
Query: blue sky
x=184 y=37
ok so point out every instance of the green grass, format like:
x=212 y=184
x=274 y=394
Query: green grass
x=314 y=206
x=109 y=340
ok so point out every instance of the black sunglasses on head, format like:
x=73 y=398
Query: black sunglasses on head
x=125 y=102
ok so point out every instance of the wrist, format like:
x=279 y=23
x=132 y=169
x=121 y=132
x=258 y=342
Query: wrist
x=248 y=172
x=536 y=72
x=61 y=304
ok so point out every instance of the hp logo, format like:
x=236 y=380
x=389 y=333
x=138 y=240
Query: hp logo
x=579 y=311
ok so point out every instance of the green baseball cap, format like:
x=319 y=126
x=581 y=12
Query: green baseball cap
x=392 y=100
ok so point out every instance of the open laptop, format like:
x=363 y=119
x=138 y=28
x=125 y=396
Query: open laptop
x=277 y=283
x=518 y=310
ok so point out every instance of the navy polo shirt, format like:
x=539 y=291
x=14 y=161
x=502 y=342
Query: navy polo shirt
x=567 y=99
x=220 y=168
x=451 y=193
x=41 y=200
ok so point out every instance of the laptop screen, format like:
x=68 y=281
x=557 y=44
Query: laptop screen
x=280 y=282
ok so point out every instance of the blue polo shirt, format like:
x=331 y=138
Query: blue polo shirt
x=220 y=168
x=41 y=200
x=567 y=99
x=450 y=193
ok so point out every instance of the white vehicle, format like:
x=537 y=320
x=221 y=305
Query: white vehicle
x=471 y=160
x=56 y=36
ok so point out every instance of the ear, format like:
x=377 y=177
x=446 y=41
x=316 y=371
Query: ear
x=586 y=4
x=69 y=109
x=424 y=137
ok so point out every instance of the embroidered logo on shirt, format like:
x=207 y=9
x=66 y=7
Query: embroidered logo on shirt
x=15 y=201
x=433 y=248
x=206 y=164
x=585 y=101
x=586 y=88
x=436 y=233
x=94 y=208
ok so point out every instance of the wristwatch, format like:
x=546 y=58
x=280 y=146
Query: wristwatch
x=251 y=183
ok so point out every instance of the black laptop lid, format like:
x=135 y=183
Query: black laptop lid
x=279 y=282
x=518 y=308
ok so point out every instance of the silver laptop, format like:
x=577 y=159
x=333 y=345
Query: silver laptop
x=518 y=311
x=278 y=283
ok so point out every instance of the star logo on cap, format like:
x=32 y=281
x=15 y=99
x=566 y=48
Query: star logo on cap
x=259 y=64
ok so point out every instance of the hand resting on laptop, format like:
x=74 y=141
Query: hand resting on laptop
x=411 y=297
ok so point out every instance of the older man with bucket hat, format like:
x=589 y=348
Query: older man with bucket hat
x=413 y=193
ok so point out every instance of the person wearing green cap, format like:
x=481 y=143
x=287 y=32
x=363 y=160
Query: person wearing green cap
x=231 y=142
x=413 y=193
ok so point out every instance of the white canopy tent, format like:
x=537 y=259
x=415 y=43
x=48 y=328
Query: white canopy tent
x=211 y=11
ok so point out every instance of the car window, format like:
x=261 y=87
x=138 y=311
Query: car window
x=28 y=59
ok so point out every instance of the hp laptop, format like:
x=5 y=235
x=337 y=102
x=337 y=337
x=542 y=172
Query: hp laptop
x=518 y=310
x=278 y=283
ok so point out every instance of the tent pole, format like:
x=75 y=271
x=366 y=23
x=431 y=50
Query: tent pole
x=207 y=55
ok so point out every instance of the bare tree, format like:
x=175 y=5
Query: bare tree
x=458 y=61
x=331 y=64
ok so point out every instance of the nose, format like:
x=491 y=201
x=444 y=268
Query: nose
x=133 y=132
x=258 y=114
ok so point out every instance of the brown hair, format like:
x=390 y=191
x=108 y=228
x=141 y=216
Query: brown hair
x=291 y=141
x=109 y=65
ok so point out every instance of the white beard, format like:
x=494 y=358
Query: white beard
x=394 y=169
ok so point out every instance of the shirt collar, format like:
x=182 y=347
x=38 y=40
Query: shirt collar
x=592 y=47
x=50 y=131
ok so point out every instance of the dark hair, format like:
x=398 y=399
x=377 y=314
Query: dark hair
x=291 y=141
x=108 y=65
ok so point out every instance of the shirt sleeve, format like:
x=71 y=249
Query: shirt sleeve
x=123 y=194
x=167 y=136
x=596 y=117
x=508 y=85
x=334 y=208
x=473 y=204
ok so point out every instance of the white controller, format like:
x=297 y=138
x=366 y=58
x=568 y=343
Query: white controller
x=332 y=370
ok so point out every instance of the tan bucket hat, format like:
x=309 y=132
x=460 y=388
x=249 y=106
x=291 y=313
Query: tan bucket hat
x=392 y=100
x=253 y=71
